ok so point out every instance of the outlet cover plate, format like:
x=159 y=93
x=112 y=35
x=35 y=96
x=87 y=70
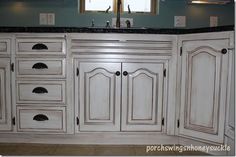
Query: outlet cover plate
x=51 y=18
x=43 y=19
x=213 y=21
x=180 y=21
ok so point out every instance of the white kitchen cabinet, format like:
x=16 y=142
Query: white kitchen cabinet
x=101 y=98
x=142 y=96
x=100 y=87
x=40 y=84
x=5 y=99
x=204 y=88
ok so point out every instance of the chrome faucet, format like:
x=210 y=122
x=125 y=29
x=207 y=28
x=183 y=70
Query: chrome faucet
x=118 y=13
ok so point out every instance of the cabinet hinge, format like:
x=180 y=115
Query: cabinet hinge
x=164 y=72
x=13 y=121
x=77 y=120
x=181 y=50
x=77 y=72
x=178 y=123
x=163 y=121
x=12 y=67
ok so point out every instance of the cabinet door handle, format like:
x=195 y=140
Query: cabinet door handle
x=40 y=117
x=39 y=90
x=39 y=46
x=39 y=66
x=117 y=73
x=125 y=73
x=224 y=51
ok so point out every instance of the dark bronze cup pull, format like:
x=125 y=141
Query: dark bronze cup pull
x=117 y=73
x=39 y=46
x=40 y=66
x=39 y=90
x=224 y=51
x=40 y=117
x=125 y=73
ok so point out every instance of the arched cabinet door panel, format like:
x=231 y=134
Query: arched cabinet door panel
x=5 y=100
x=142 y=96
x=99 y=104
x=203 y=89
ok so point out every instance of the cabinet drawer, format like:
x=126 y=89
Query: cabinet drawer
x=40 y=46
x=40 y=67
x=4 y=46
x=48 y=119
x=40 y=92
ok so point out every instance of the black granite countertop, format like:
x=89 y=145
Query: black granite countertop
x=113 y=30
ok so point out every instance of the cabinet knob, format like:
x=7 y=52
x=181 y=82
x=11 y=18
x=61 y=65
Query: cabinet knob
x=224 y=51
x=117 y=73
x=125 y=73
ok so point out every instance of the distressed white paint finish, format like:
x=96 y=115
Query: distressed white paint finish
x=142 y=96
x=99 y=96
x=54 y=46
x=203 y=89
x=5 y=96
x=5 y=46
x=26 y=119
x=55 y=92
x=54 y=67
x=148 y=44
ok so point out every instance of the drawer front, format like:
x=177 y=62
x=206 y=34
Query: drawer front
x=40 y=68
x=4 y=46
x=40 y=92
x=40 y=46
x=48 y=119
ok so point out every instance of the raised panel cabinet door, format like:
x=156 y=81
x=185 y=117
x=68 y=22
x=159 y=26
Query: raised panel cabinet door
x=100 y=87
x=5 y=100
x=203 y=89
x=142 y=96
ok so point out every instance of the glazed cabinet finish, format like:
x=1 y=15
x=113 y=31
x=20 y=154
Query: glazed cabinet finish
x=100 y=87
x=142 y=96
x=105 y=88
x=40 y=92
x=203 y=89
x=5 y=99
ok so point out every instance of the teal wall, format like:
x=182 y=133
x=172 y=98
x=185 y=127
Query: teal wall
x=26 y=13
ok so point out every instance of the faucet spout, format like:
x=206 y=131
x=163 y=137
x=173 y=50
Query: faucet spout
x=118 y=13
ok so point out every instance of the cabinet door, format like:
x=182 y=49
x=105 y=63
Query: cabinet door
x=203 y=89
x=5 y=100
x=142 y=96
x=100 y=88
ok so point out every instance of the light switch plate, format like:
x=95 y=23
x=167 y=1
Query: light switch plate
x=51 y=18
x=123 y=22
x=43 y=19
x=180 y=21
x=213 y=21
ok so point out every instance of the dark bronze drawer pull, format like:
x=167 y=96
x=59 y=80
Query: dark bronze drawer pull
x=39 y=46
x=40 y=66
x=40 y=117
x=39 y=90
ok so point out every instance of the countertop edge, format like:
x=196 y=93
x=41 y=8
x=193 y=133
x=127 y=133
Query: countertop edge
x=114 y=30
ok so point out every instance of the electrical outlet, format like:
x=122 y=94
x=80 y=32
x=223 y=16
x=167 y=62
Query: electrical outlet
x=213 y=21
x=51 y=18
x=123 y=22
x=43 y=19
x=180 y=21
